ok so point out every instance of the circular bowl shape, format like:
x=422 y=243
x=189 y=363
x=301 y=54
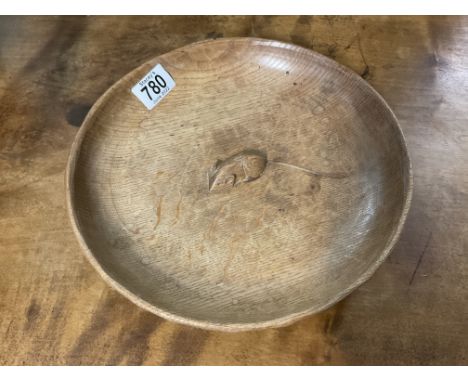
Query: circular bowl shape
x=266 y=186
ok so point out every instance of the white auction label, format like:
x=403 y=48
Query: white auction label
x=153 y=87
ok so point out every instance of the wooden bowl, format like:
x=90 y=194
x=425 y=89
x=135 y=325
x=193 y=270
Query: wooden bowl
x=266 y=186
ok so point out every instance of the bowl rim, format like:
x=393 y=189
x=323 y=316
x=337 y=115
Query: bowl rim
x=235 y=327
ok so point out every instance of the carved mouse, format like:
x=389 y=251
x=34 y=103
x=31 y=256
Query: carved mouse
x=249 y=165
x=243 y=167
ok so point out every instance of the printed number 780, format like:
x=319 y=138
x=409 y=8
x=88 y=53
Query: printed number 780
x=155 y=86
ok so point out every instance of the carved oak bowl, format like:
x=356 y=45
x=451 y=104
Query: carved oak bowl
x=266 y=186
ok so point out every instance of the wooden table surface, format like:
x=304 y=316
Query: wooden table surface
x=55 y=309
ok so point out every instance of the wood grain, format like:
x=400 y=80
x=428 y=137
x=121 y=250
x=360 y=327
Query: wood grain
x=56 y=310
x=268 y=185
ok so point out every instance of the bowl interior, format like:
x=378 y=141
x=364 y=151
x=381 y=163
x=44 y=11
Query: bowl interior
x=321 y=216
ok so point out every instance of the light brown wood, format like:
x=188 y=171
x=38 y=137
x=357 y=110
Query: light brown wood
x=56 y=309
x=266 y=186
